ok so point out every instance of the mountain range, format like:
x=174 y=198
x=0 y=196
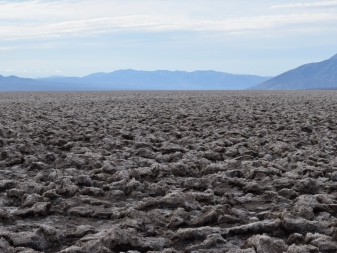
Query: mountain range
x=315 y=76
x=136 y=80
x=161 y=80
x=14 y=83
x=319 y=75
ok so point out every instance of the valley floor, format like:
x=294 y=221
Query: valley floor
x=210 y=171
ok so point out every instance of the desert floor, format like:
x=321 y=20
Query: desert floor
x=226 y=171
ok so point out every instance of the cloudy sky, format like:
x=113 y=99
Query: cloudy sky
x=76 y=37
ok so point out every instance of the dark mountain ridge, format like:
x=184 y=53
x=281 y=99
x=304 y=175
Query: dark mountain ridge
x=319 y=75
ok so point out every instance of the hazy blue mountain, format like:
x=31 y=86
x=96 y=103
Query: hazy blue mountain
x=319 y=75
x=14 y=83
x=161 y=80
x=135 y=80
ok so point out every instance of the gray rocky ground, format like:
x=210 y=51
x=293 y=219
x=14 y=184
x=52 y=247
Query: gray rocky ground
x=237 y=172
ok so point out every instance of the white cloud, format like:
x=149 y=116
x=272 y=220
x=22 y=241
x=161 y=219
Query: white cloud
x=155 y=23
x=5 y=48
x=307 y=5
x=54 y=19
x=40 y=10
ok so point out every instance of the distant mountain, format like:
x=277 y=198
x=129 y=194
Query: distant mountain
x=135 y=80
x=320 y=75
x=160 y=80
x=14 y=83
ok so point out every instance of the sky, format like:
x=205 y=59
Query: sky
x=40 y=38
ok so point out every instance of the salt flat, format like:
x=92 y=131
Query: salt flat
x=217 y=171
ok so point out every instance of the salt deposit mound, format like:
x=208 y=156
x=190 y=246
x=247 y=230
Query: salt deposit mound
x=238 y=172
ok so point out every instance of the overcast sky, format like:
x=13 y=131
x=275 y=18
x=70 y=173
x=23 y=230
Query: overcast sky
x=77 y=37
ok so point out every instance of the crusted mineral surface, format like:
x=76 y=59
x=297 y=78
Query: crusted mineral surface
x=105 y=172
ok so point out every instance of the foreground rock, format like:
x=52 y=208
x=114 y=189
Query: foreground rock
x=238 y=172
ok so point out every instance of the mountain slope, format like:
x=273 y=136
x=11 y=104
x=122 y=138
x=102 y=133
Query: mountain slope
x=162 y=80
x=13 y=83
x=320 y=75
x=135 y=80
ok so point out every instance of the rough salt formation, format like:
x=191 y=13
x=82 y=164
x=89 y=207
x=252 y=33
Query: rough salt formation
x=237 y=172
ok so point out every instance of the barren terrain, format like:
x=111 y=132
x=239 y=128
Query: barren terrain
x=238 y=172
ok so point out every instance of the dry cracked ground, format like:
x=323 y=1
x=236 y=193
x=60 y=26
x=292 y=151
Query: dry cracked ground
x=103 y=172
